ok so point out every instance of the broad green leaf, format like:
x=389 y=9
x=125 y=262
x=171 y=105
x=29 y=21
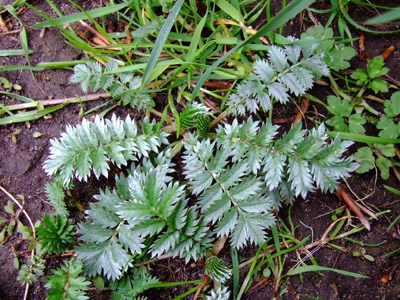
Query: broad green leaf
x=361 y=75
x=392 y=106
x=323 y=34
x=338 y=123
x=365 y=158
x=355 y=123
x=388 y=128
x=383 y=164
x=378 y=85
x=339 y=107
x=386 y=150
x=375 y=67
x=340 y=56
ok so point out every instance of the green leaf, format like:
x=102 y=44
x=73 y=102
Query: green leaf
x=300 y=177
x=3 y=234
x=9 y=208
x=365 y=158
x=233 y=12
x=369 y=257
x=375 y=67
x=387 y=150
x=361 y=75
x=99 y=282
x=191 y=55
x=392 y=106
x=378 y=85
x=339 y=107
x=323 y=34
x=355 y=123
x=24 y=230
x=363 y=138
x=338 y=123
x=384 y=165
x=55 y=194
x=340 y=56
x=388 y=128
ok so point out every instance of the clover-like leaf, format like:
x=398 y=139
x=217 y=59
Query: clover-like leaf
x=355 y=123
x=388 y=128
x=375 y=67
x=378 y=85
x=384 y=165
x=365 y=158
x=339 y=107
x=392 y=106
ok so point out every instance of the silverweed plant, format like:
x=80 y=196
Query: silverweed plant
x=230 y=180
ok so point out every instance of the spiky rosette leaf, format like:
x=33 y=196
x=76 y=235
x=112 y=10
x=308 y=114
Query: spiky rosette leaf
x=203 y=125
x=217 y=270
x=55 y=235
x=191 y=113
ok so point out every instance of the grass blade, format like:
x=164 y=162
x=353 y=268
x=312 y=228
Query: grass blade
x=15 y=4
x=196 y=39
x=355 y=24
x=161 y=38
x=22 y=35
x=388 y=16
x=18 y=97
x=363 y=138
x=20 y=67
x=94 y=13
x=290 y=11
x=235 y=267
x=393 y=190
x=313 y=268
x=230 y=10
x=4 y=53
x=30 y=115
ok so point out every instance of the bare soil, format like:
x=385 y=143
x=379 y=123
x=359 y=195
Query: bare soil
x=21 y=173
